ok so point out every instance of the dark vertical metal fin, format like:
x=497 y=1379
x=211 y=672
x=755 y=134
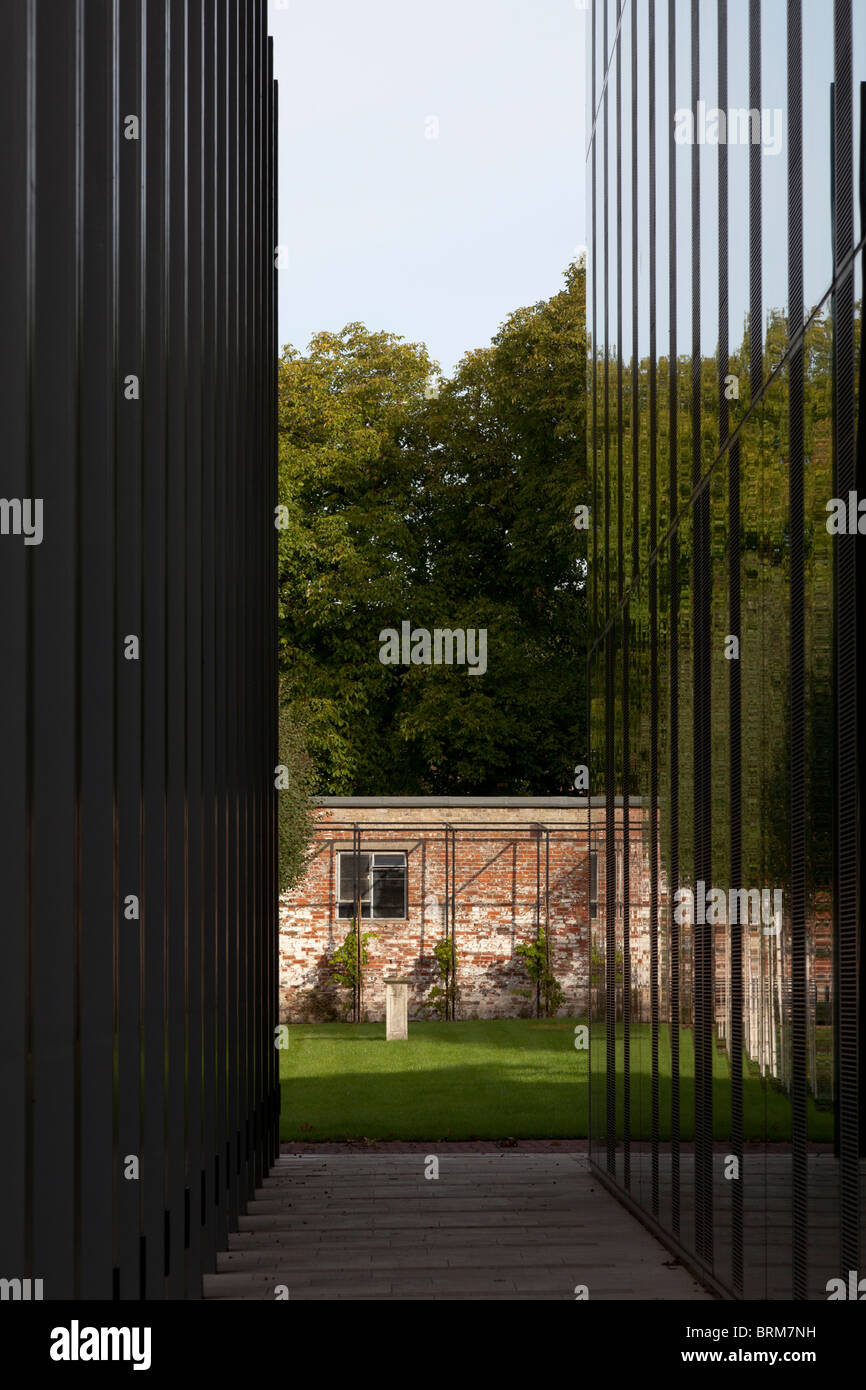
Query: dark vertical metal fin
x=798 y=773
x=673 y=641
x=138 y=855
x=848 y=805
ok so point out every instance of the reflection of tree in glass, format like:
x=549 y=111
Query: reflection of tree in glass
x=764 y=560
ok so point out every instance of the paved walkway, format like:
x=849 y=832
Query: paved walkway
x=767 y=1193
x=491 y=1226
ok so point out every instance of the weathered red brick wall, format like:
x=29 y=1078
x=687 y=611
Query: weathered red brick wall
x=500 y=862
x=501 y=859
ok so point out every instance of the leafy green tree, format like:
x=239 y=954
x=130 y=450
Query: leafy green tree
x=450 y=511
x=295 y=805
x=504 y=453
x=346 y=546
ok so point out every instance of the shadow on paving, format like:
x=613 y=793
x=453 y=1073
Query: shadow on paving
x=511 y=1226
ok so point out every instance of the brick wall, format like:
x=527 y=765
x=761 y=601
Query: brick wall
x=501 y=861
x=501 y=865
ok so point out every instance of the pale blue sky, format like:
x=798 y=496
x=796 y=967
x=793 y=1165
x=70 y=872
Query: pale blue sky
x=434 y=239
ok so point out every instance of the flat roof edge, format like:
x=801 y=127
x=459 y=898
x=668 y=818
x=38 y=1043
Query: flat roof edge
x=540 y=802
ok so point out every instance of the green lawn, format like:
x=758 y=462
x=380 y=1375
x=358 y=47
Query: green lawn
x=489 y=1079
x=766 y=1107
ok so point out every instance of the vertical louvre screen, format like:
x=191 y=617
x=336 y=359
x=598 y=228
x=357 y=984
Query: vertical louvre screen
x=138 y=860
x=731 y=741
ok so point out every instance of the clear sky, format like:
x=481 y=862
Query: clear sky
x=436 y=239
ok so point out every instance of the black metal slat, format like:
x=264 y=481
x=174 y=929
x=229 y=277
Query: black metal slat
x=673 y=638
x=702 y=1083
x=97 y=923
x=258 y=521
x=271 y=578
x=16 y=169
x=610 y=903
x=208 y=330
x=610 y=924
x=847 y=847
x=736 y=930
x=455 y=891
x=129 y=522
x=233 y=1135
x=274 y=945
x=265 y=533
x=626 y=922
x=264 y=528
x=194 y=714
x=268 y=577
x=30 y=54
x=756 y=349
x=635 y=286
x=606 y=316
x=620 y=578
x=722 y=155
x=620 y=548
x=53 y=693
x=590 y=1003
x=447 y=900
x=756 y=302
x=152 y=663
x=797 y=789
x=652 y=424
x=243 y=626
x=176 y=463
x=860 y=485
x=593 y=372
x=253 y=562
x=537 y=833
x=220 y=596
x=735 y=983
x=273 y=632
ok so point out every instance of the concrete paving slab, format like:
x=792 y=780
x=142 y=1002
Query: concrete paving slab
x=507 y=1225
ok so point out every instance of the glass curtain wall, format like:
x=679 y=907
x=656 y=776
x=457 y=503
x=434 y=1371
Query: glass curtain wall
x=725 y=172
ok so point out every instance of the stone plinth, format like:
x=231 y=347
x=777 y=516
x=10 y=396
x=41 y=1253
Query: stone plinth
x=396 y=1010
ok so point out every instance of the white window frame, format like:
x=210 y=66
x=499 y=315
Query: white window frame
x=373 y=855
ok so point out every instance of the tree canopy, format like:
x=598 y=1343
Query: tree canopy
x=447 y=510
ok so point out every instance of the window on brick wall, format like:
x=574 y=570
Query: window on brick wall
x=381 y=883
x=593 y=883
